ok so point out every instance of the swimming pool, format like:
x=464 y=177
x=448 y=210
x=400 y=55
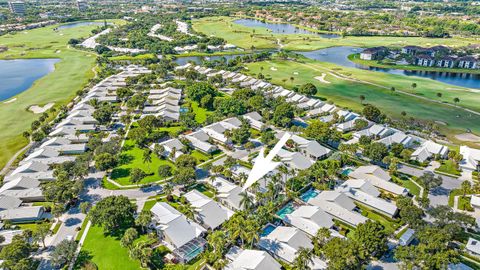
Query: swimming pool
x=287 y=209
x=347 y=171
x=267 y=230
x=311 y=193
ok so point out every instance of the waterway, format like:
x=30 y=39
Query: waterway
x=18 y=75
x=78 y=24
x=282 y=28
x=339 y=56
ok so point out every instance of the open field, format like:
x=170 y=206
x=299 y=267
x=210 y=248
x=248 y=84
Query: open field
x=71 y=73
x=261 y=38
x=131 y=157
x=346 y=92
x=106 y=251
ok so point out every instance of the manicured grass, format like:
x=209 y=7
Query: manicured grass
x=132 y=157
x=389 y=224
x=200 y=113
x=375 y=63
x=82 y=229
x=30 y=226
x=206 y=190
x=410 y=185
x=201 y=157
x=262 y=38
x=172 y=130
x=345 y=93
x=71 y=73
x=106 y=251
x=448 y=166
x=57 y=227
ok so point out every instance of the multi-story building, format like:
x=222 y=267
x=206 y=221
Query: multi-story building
x=17 y=7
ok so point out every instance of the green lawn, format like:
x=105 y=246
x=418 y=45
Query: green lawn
x=345 y=93
x=412 y=187
x=106 y=251
x=201 y=157
x=389 y=224
x=131 y=157
x=200 y=113
x=448 y=166
x=262 y=38
x=71 y=73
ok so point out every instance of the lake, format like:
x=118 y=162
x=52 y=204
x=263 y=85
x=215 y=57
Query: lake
x=282 y=28
x=18 y=75
x=339 y=56
x=78 y=24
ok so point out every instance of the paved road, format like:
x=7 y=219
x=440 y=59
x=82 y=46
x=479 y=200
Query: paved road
x=74 y=218
x=438 y=196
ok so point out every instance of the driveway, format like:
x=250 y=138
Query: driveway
x=438 y=196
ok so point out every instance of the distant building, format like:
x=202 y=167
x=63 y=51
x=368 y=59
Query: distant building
x=424 y=60
x=468 y=62
x=446 y=62
x=82 y=5
x=373 y=53
x=17 y=7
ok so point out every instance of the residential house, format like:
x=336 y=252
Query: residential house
x=467 y=62
x=398 y=137
x=309 y=148
x=374 y=53
x=34 y=170
x=228 y=193
x=365 y=193
x=285 y=242
x=173 y=145
x=424 y=60
x=181 y=235
x=339 y=206
x=309 y=219
x=24 y=188
x=473 y=246
x=378 y=178
x=250 y=259
x=255 y=120
x=23 y=214
x=376 y=131
x=471 y=159
x=64 y=146
x=411 y=50
x=207 y=212
x=429 y=149
x=294 y=160
x=407 y=237
x=47 y=156
x=446 y=62
x=217 y=130
x=200 y=141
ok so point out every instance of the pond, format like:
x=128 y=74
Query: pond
x=282 y=28
x=339 y=56
x=78 y=24
x=18 y=75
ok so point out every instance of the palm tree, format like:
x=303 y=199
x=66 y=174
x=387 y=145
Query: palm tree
x=168 y=189
x=250 y=234
x=320 y=239
x=362 y=98
x=304 y=259
x=188 y=211
x=456 y=100
x=217 y=240
x=246 y=201
x=147 y=157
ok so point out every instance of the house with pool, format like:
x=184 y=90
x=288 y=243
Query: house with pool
x=378 y=178
x=309 y=219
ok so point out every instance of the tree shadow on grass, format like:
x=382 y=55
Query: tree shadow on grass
x=83 y=258
x=124 y=159
x=120 y=173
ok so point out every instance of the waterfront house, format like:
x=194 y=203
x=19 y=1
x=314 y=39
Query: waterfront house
x=424 y=60
x=467 y=62
x=374 y=53
x=446 y=62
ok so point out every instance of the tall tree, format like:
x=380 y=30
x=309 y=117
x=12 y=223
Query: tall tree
x=113 y=213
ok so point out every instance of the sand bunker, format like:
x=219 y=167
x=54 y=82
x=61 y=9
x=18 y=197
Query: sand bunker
x=322 y=78
x=468 y=137
x=273 y=68
x=10 y=101
x=37 y=109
